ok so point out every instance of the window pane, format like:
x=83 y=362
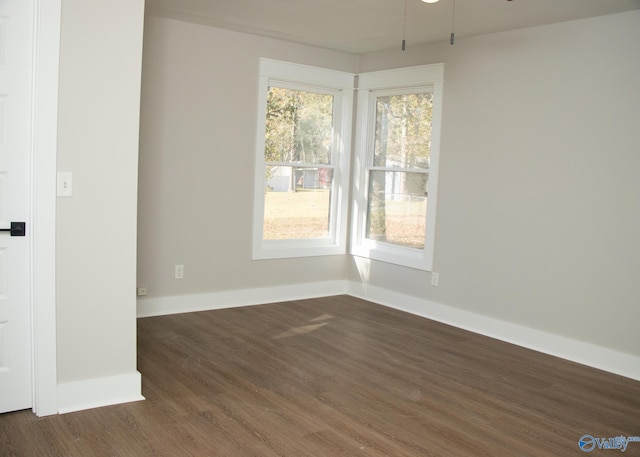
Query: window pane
x=298 y=126
x=397 y=208
x=403 y=130
x=296 y=203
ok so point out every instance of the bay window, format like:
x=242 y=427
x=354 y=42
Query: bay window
x=303 y=163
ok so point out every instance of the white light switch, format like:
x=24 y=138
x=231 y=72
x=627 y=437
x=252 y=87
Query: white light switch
x=65 y=184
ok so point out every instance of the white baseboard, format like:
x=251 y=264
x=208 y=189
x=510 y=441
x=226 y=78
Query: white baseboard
x=97 y=392
x=620 y=363
x=147 y=307
x=559 y=346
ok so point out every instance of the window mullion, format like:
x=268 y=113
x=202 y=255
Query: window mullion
x=300 y=165
x=400 y=169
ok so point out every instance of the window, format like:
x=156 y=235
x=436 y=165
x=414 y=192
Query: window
x=395 y=175
x=303 y=155
x=302 y=161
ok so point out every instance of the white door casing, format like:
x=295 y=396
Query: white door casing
x=16 y=86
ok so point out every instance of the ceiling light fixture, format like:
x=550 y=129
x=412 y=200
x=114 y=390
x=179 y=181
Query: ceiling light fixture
x=452 y=39
x=404 y=26
x=453 y=23
x=404 y=23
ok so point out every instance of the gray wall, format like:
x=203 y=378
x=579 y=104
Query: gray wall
x=99 y=93
x=539 y=193
x=197 y=155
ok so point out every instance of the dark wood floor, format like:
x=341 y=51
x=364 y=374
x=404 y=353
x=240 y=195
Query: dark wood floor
x=337 y=376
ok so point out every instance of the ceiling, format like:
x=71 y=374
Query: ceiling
x=360 y=26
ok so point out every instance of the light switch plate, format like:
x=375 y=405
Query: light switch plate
x=65 y=184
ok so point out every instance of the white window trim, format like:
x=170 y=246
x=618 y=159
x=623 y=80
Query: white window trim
x=370 y=85
x=284 y=74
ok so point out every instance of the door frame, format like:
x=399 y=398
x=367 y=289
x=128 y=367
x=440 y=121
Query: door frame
x=44 y=138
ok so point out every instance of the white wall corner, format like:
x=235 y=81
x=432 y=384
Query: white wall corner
x=588 y=354
x=149 y=306
x=98 y=392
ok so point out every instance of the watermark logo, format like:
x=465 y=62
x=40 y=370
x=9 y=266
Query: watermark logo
x=588 y=443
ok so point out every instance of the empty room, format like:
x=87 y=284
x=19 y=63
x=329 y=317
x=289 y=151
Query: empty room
x=295 y=228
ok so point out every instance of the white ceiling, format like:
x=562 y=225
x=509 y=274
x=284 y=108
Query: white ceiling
x=360 y=26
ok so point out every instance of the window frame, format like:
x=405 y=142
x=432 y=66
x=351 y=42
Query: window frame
x=370 y=86
x=319 y=80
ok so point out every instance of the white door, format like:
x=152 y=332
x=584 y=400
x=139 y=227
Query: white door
x=16 y=76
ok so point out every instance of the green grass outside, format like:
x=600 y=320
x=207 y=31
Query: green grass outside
x=305 y=215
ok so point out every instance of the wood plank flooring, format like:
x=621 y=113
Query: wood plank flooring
x=337 y=376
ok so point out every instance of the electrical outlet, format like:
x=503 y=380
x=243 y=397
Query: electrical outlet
x=141 y=291
x=179 y=272
x=435 y=277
